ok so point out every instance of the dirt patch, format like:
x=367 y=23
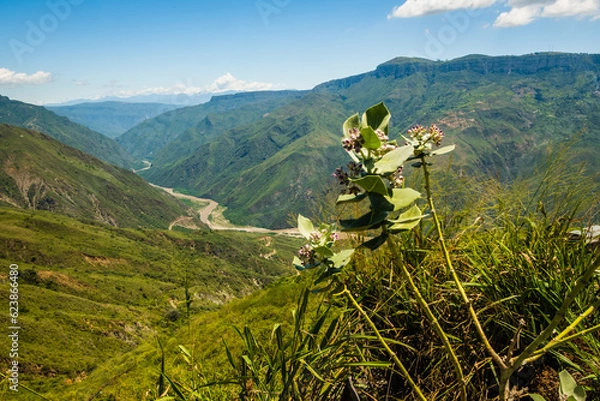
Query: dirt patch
x=62 y=279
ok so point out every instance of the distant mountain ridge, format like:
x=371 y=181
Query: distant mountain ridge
x=111 y=118
x=146 y=139
x=39 y=173
x=64 y=130
x=502 y=112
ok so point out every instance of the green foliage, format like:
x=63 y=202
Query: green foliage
x=62 y=129
x=363 y=183
x=90 y=293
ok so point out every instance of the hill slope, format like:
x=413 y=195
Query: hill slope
x=89 y=292
x=502 y=112
x=40 y=173
x=64 y=130
x=147 y=138
x=111 y=118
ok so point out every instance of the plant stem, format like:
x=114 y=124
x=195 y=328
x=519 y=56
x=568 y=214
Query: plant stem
x=434 y=321
x=385 y=345
x=455 y=277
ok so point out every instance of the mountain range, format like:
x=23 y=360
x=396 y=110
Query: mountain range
x=503 y=113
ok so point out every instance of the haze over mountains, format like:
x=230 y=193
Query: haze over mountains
x=111 y=118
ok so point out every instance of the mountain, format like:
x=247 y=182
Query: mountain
x=144 y=140
x=61 y=128
x=39 y=173
x=111 y=118
x=503 y=113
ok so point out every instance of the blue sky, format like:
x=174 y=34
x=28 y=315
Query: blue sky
x=58 y=50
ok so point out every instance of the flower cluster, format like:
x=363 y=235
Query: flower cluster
x=421 y=135
x=354 y=141
x=354 y=171
x=397 y=179
x=307 y=255
x=313 y=253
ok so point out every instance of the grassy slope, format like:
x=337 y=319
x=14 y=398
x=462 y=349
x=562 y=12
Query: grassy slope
x=64 y=130
x=112 y=118
x=38 y=172
x=99 y=292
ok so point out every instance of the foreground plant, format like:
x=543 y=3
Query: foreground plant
x=375 y=176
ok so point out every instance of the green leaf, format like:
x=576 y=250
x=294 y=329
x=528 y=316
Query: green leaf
x=324 y=252
x=298 y=264
x=567 y=383
x=305 y=226
x=370 y=138
x=536 y=397
x=568 y=386
x=443 y=151
x=342 y=258
x=370 y=364
x=350 y=123
x=403 y=197
x=350 y=198
x=380 y=202
x=369 y=220
x=372 y=183
x=375 y=243
x=394 y=159
x=407 y=220
x=377 y=117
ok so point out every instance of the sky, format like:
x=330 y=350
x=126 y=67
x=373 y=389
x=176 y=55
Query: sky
x=54 y=51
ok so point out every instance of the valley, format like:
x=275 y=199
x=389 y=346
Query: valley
x=205 y=213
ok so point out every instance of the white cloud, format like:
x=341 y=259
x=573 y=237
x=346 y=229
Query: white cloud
x=524 y=12
x=417 y=8
x=228 y=82
x=224 y=83
x=570 y=8
x=521 y=12
x=518 y=16
x=8 y=77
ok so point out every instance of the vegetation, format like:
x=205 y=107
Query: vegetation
x=62 y=129
x=40 y=173
x=94 y=298
x=112 y=118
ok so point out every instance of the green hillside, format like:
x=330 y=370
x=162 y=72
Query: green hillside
x=147 y=138
x=503 y=112
x=40 y=173
x=64 y=130
x=111 y=118
x=89 y=292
